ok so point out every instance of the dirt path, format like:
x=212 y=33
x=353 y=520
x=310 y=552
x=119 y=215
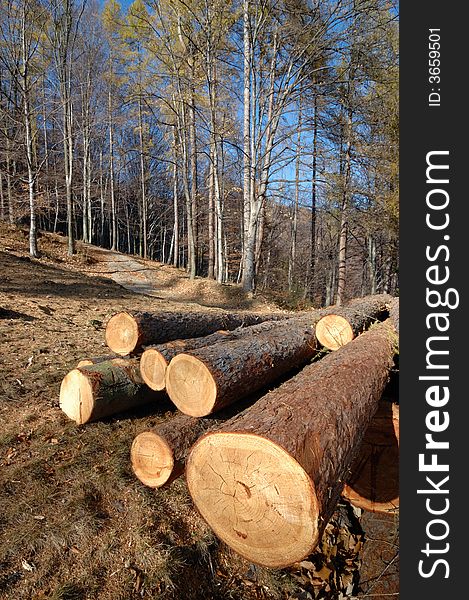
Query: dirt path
x=166 y=282
x=130 y=273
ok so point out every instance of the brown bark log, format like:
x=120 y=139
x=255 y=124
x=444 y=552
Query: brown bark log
x=268 y=480
x=158 y=456
x=155 y=359
x=203 y=381
x=100 y=390
x=344 y=323
x=96 y=360
x=373 y=483
x=128 y=332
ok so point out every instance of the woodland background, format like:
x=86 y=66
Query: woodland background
x=247 y=141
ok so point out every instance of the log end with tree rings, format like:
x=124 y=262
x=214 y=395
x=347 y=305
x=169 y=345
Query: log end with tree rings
x=122 y=333
x=76 y=396
x=333 y=332
x=153 y=369
x=255 y=496
x=152 y=459
x=191 y=386
x=374 y=481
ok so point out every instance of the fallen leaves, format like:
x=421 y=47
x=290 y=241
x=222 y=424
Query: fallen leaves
x=332 y=571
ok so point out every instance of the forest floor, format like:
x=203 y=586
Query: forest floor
x=75 y=524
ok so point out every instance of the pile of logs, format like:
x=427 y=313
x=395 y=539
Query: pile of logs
x=266 y=479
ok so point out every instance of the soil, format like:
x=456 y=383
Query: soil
x=74 y=521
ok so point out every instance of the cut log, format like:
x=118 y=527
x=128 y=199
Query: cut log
x=341 y=326
x=373 y=484
x=268 y=480
x=96 y=360
x=158 y=456
x=155 y=359
x=104 y=389
x=203 y=381
x=129 y=332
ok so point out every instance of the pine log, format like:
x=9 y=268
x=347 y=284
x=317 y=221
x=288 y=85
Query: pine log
x=96 y=360
x=129 y=332
x=373 y=483
x=155 y=359
x=158 y=456
x=268 y=480
x=203 y=381
x=341 y=326
x=104 y=389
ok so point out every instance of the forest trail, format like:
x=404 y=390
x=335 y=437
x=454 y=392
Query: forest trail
x=165 y=282
x=128 y=272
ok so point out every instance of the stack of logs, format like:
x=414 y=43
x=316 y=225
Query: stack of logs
x=266 y=479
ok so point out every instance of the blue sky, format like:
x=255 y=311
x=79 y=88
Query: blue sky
x=124 y=3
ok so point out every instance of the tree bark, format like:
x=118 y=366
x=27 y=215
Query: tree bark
x=344 y=323
x=175 y=200
x=202 y=381
x=312 y=260
x=185 y=151
x=194 y=182
x=101 y=390
x=155 y=359
x=211 y=219
x=114 y=232
x=33 y=249
x=343 y=233
x=247 y=156
x=96 y=360
x=101 y=197
x=268 y=480
x=143 y=177
x=373 y=482
x=86 y=124
x=128 y=332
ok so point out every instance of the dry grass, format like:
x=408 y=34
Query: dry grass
x=75 y=524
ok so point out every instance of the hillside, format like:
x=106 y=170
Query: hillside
x=74 y=521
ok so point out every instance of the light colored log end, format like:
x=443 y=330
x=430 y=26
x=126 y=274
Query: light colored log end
x=333 y=332
x=152 y=459
x=76 y=397
x=374 y=481
x=254 y=496
x=97 y=360
x=85 y=362
x=122 y=333
x=153 y=369
x=190 y=385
